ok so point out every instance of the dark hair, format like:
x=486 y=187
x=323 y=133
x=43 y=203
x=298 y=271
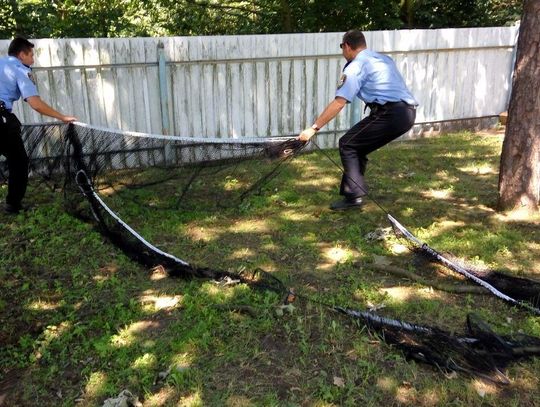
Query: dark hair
x=18 y=45
x=355 y=39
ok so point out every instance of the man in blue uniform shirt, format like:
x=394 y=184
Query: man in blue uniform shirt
x=374 y=79
x=16 y=81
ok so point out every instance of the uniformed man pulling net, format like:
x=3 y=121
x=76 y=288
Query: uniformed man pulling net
x=374 y=79
x=15 y=81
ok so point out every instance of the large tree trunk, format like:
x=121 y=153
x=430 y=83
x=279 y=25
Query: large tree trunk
x=519 y=177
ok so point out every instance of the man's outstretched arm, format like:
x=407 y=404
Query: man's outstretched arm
x=40 y=106
x=331 y=111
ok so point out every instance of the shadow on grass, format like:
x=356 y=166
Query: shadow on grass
x=84 y=322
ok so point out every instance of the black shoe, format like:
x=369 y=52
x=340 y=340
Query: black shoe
x=346 y=203
x=13 y=209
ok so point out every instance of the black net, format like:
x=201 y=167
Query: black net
x=522 y=292
x=198 y=172
x=96 y=168
x=478 y=352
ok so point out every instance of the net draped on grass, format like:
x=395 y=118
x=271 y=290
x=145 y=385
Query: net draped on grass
x=97 y=167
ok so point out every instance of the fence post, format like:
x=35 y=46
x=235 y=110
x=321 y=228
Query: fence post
x=163 y=93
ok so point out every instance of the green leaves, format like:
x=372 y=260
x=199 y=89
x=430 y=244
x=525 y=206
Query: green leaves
x=141 y=18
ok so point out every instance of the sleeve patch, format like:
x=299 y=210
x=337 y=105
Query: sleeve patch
x=342 y=80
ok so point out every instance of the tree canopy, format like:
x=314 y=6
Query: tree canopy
x=129 y=18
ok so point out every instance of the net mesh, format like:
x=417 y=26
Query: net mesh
x=96 y=167
x=478 y=352
x=519 y=291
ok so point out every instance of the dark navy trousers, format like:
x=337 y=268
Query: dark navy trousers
x=12 y=147
x=384 y=124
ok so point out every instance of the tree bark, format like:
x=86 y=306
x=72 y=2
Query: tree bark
x=519 y=176
x=407 y=13
x=286 y=18
x=16 y=18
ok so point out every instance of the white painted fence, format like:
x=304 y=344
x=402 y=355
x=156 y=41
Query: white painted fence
x=262 y=85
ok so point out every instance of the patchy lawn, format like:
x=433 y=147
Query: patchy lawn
x=80 y=322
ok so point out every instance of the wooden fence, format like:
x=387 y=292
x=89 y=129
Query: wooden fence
x=263 y=85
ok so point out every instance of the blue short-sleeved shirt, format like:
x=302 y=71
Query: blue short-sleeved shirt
x=15 y=81
x=374 y=78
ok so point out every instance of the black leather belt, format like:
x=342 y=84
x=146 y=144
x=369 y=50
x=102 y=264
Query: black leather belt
x=388 y=104
x=373 y=107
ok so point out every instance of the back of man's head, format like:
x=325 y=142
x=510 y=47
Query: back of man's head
x=355 y=39
x=18 y=45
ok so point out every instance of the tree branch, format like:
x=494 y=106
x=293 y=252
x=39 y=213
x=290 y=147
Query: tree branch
x=207 y=4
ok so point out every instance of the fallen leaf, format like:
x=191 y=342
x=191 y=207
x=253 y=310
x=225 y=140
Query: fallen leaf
x=375 y=307
x=339 y=382
x=381 y=261
x=352 y=355
x=163 y=375
x=282 y=308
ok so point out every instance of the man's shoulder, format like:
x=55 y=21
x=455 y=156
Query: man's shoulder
x=14 y=64
x=371 y=55
x=363 y=58
x=353 y=66
x=9 y=60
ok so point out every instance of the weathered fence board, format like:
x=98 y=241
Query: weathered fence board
x=263 y=85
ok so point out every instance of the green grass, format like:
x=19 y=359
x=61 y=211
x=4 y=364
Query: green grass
x=80 y=322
